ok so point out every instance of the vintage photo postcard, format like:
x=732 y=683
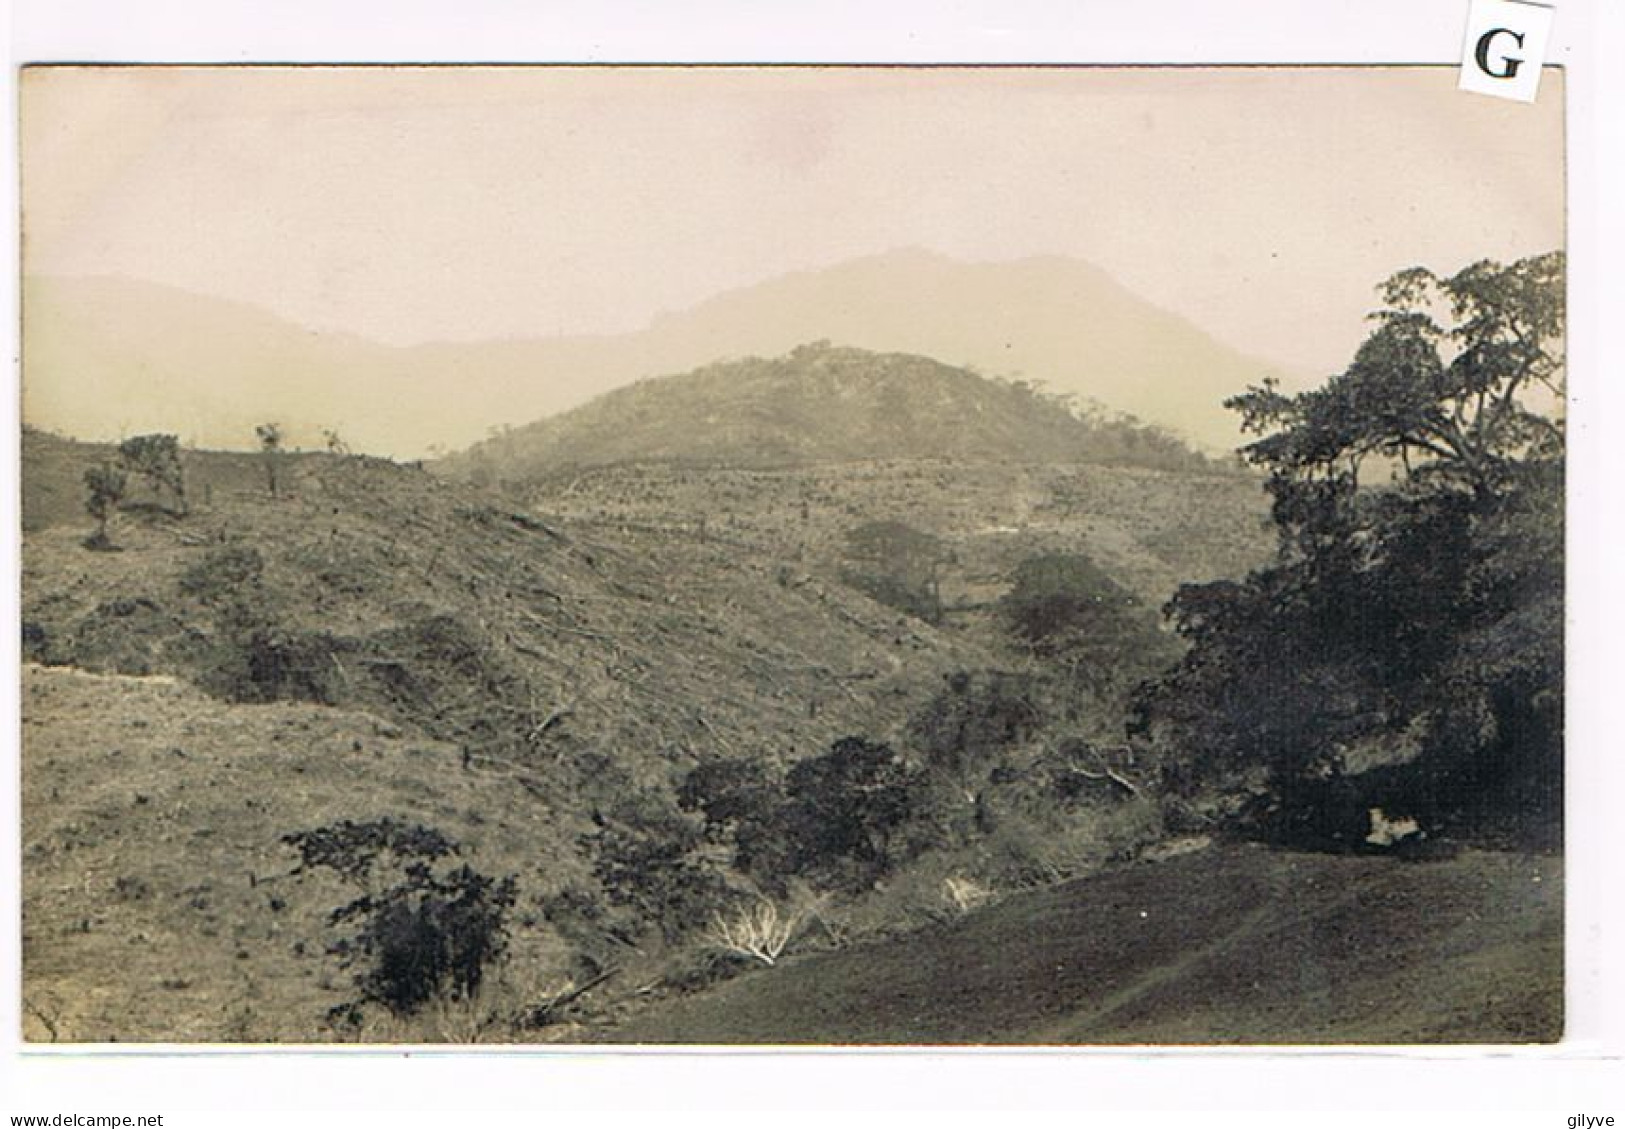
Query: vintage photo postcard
x=780 y=555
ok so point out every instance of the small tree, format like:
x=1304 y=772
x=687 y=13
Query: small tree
x=1057 y=598
x=157 y=458
x=1068 y=611
x=270 y=437
x=105 y=486
x=418 y=935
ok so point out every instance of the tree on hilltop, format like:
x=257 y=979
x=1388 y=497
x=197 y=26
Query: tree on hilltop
x=157 y=458
x=270 y=437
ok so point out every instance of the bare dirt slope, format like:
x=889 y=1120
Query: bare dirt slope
x=1228 y=945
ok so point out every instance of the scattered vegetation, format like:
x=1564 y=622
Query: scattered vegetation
x=741 y=701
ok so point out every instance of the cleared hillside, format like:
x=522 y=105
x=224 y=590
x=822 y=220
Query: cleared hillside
x=573 y=674
x=424 y=600
x=1150 y=530
x=1226 y=945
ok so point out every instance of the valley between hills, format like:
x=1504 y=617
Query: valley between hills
x=780 y=701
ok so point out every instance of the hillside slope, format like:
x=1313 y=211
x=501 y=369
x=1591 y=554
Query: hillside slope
x=158 y=901
x=159 y=904
x=106 y=357
x=406 y=594
x=554 y=675
x=1227 y=945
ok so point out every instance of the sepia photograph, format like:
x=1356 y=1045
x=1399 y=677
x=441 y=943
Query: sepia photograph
x=791 y=556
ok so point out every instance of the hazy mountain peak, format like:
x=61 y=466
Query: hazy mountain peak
x=107 y=357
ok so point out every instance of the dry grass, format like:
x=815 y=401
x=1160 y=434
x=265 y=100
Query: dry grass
x=157 y=902
x=1225 y=945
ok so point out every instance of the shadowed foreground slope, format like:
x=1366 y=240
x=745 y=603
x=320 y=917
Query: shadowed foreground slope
x=1230 y=945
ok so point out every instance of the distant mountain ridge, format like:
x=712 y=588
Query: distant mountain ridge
x=106 y=357
x=1060 y=322
x=818 y=403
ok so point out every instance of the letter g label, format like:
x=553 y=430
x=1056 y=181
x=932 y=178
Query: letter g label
x=1509 y=64
x=1505 y=43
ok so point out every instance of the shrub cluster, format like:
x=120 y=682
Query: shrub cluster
x=415 y=934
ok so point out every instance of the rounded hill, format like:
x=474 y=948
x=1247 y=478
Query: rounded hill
x=821 y=403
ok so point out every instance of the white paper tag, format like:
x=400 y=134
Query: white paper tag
x=1506 y=42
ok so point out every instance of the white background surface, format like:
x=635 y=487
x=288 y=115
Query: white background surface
x=1465 y=1086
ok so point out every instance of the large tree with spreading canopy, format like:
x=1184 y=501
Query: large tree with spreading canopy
x=1405 y=646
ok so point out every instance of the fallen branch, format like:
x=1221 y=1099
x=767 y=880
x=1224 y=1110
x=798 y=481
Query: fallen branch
x=547 y=1012
x=1109 y=774
x=553 y=625
x=50 y=1024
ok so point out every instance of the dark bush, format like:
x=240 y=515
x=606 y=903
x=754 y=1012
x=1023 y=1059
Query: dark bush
x=252 y=655
x=417 y=935
x=255 y=659
x=1057 y=599
x=897 y=565
x=653 y=867
x=842 y=809
x=741 y=800
x=427 y=936
x=36 y=641
x=224 y=574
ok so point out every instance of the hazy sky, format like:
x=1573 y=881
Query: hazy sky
x=432 y=204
